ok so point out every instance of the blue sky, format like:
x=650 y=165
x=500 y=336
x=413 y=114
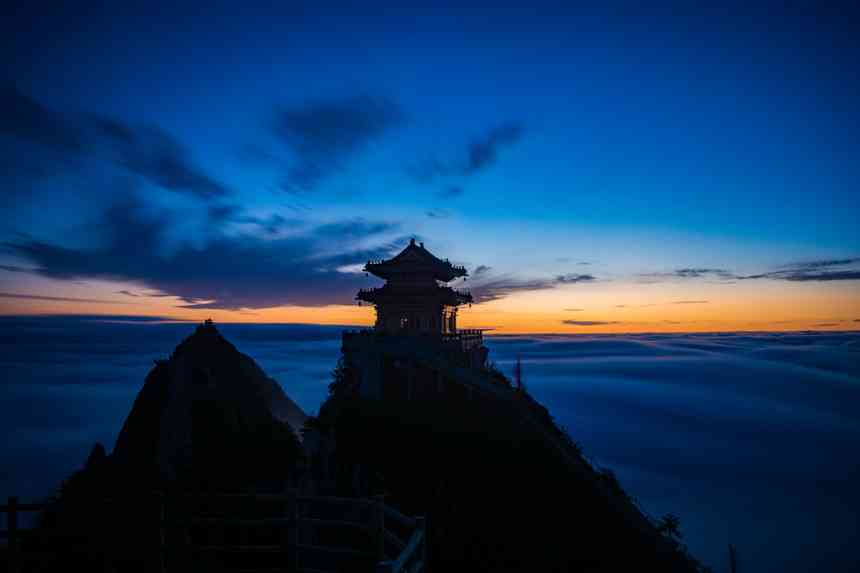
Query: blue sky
x=526 y=137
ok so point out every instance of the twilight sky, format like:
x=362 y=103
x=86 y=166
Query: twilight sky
x=632 y=167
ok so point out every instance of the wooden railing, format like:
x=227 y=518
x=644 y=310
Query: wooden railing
x=412 y=554
x=465 y=338
x=294 y=535
x=13 y=531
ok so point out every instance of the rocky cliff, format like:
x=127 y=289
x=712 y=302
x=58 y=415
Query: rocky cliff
x=207 y=403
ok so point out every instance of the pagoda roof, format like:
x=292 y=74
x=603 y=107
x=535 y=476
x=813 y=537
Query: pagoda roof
x=415 y=260
x=440 y=294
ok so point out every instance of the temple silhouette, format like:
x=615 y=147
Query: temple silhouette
x=415 y=337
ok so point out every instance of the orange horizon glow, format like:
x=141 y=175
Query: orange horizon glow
x=601 y=308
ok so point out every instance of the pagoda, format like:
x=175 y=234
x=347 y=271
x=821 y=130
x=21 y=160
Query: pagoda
x=413 y=300
x=415 y=343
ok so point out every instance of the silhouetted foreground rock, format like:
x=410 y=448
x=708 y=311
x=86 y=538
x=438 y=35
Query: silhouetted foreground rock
x=208 y=419
x=210 y=414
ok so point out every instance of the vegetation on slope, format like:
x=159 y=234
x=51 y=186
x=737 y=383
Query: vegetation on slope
x=497 y=493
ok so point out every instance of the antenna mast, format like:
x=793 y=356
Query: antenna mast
x=518 y=374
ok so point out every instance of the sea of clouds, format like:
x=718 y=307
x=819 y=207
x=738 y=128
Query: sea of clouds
x=752 y=439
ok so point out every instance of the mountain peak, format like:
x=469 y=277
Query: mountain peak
x=205 y=338
x=206 y=389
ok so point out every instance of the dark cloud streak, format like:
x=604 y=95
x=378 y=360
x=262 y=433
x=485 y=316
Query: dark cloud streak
x=148 y=152
x=496 y=288
x=480 y=154
x=324 y=135
x=823 y=270
x=574 y=278
x=807 y=276
x=23 y=117
x=231 y=272
x=450 y=192
x=56 y=298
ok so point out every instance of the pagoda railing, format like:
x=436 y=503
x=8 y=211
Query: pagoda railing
x=466 y=338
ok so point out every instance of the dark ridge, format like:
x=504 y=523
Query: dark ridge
x=498 y=494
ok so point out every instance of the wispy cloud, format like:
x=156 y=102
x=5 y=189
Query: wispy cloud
x=823 y=263
x=589 y=322
x=807 y=276
x=148 y=152
x=55 y=298
x=128 y=293
x=15 y=269
x=490 y=289
x=688 y=273
x=22 y=117
x=574 y=309
x=821 y=270
x=689 y=302
x=158 y=157
x=325 y=134
x=694 y=273
x=574 y=278
x=480 y=154
x=494 y=289
x=484 y=151
x=450 y=192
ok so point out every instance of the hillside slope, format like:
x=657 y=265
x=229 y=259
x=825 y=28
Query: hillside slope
x=503 y=488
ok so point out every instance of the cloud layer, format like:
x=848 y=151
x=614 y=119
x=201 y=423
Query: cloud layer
x=709 y=427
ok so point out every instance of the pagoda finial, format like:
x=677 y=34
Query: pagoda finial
x=412 y=241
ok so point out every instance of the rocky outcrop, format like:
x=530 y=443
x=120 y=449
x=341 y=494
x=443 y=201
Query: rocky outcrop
x=207 y=406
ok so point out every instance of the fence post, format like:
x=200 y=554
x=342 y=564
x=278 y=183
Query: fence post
x=379 y=507
x=421 y=525
x=410 y=382
x=12 y=532
x=293 y=530
x=384 y=567
x=162 y=535
x=186 y=515
x=106 y=541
